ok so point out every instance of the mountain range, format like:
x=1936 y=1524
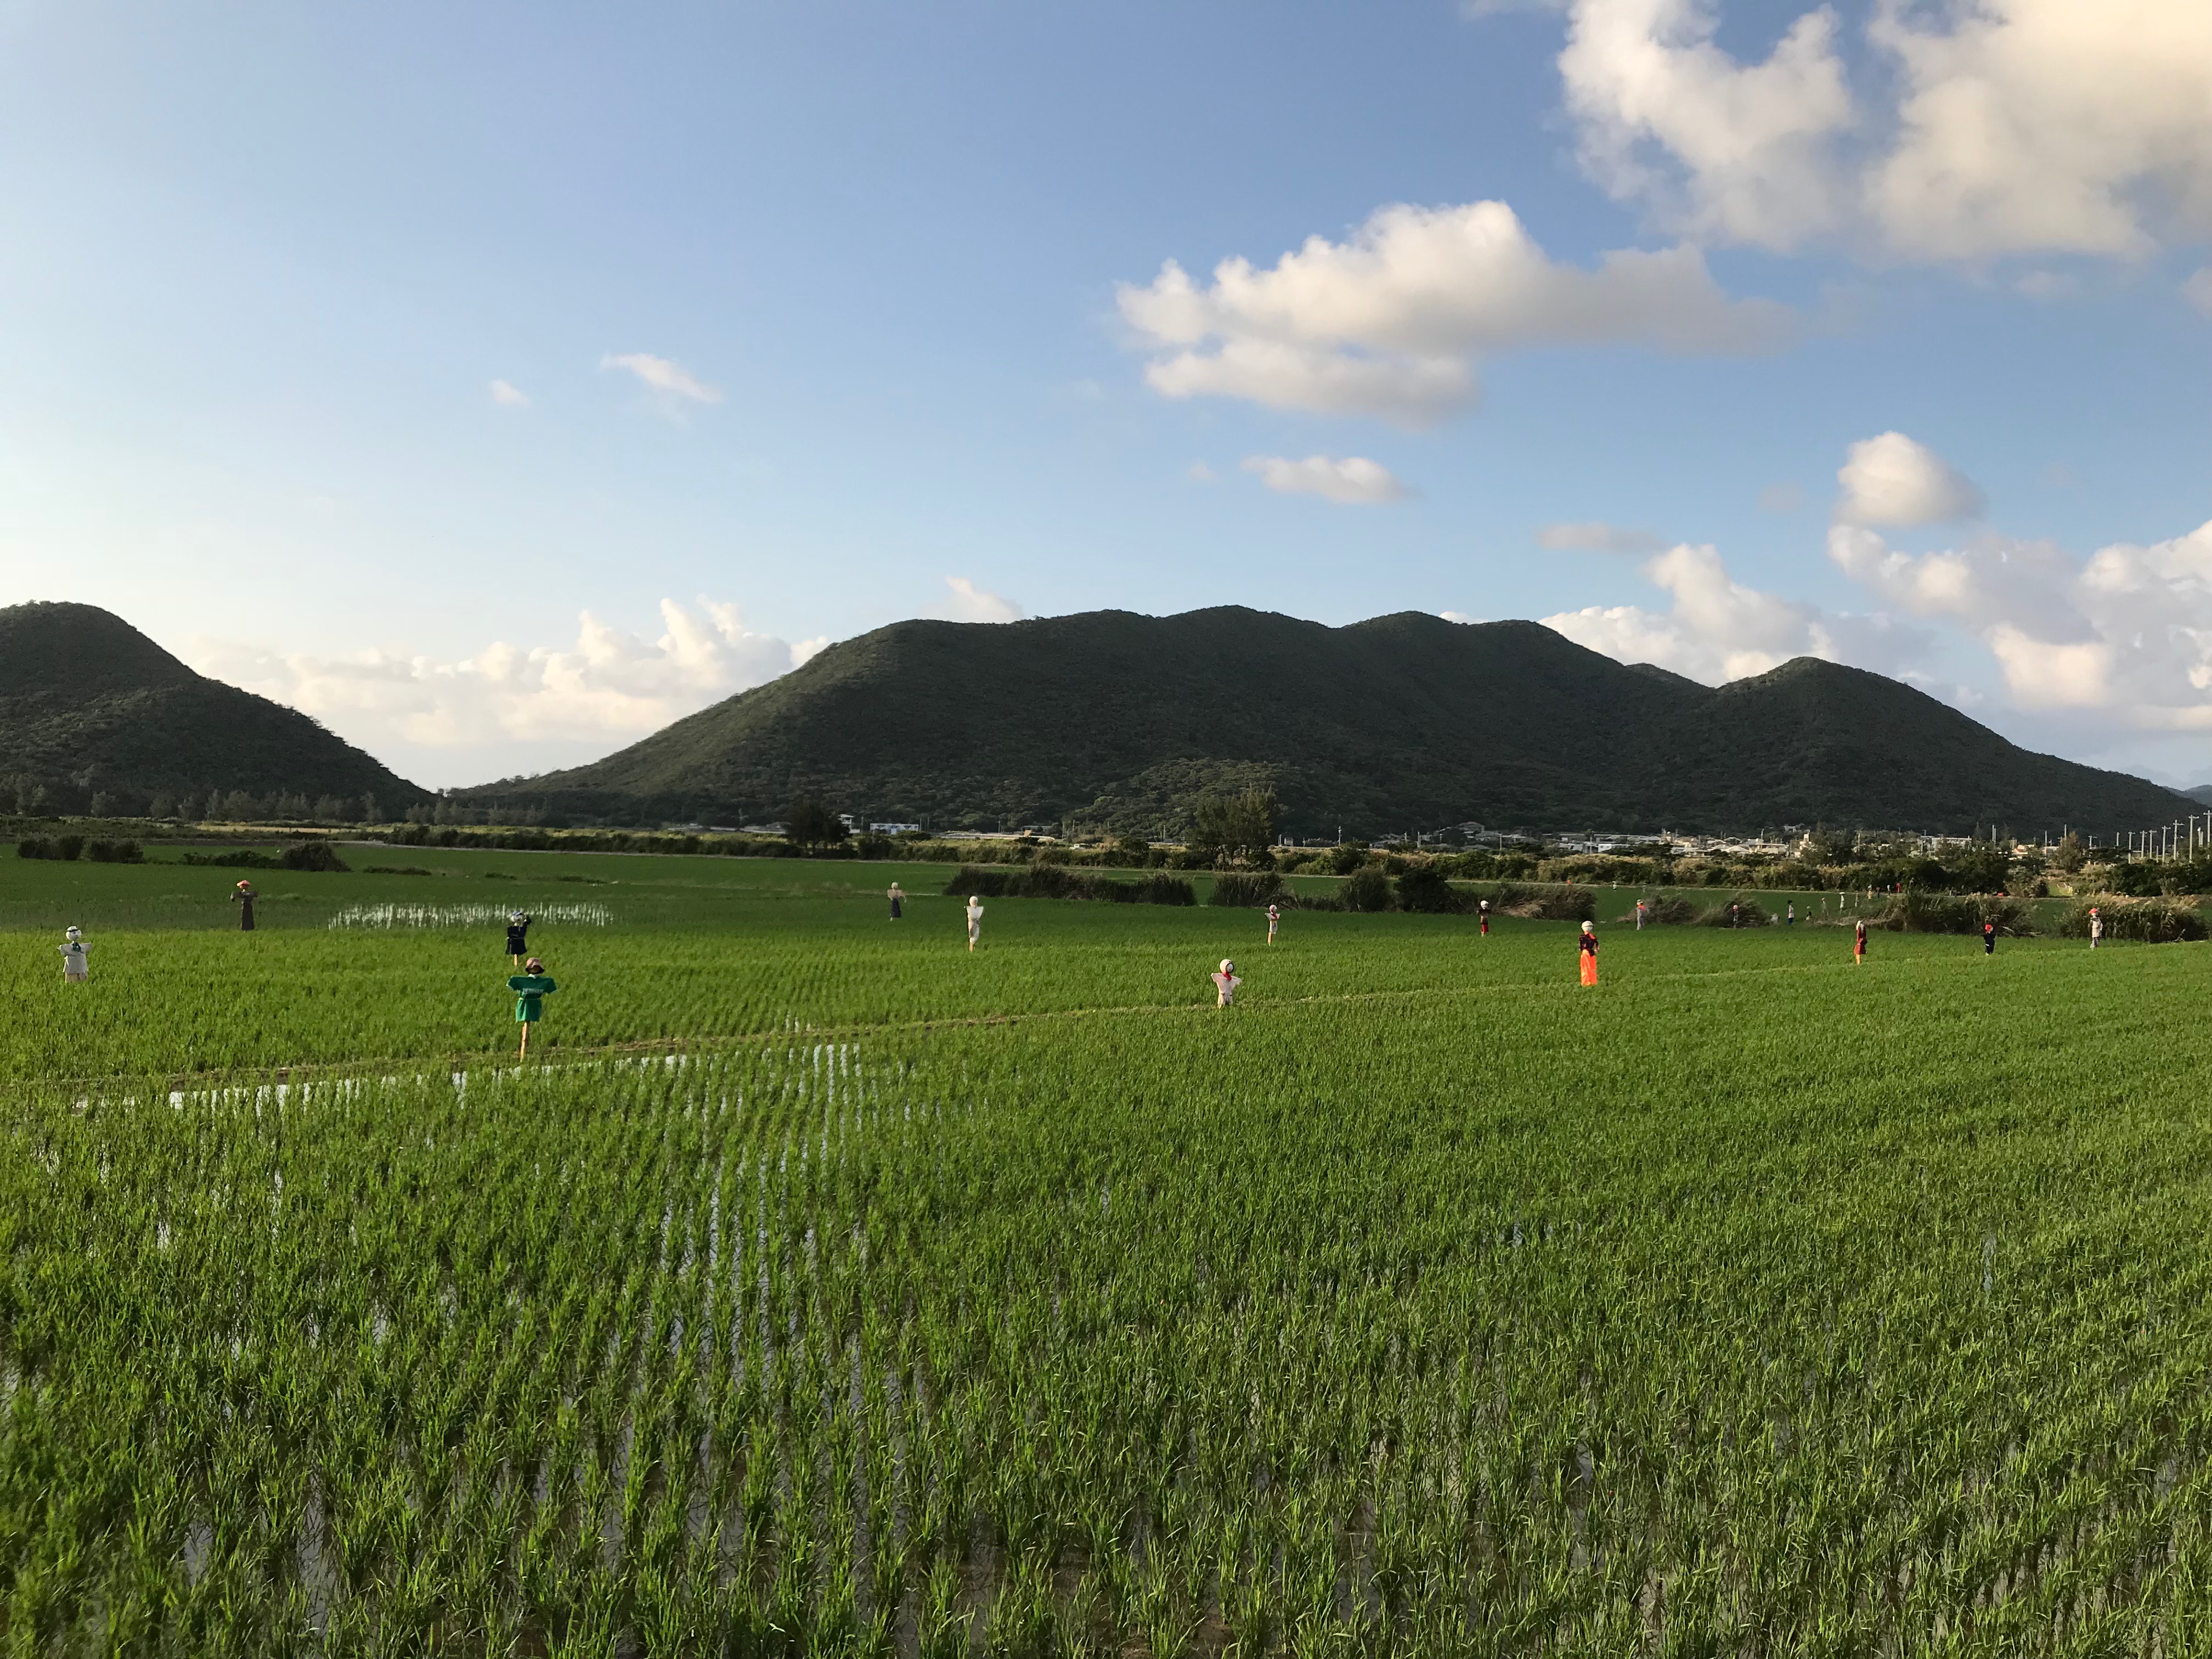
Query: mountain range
x=1116 y=721
x=92 y=711
x=1119 y=721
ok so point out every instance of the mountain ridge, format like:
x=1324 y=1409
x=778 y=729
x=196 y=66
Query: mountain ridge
x=1121 y=721
x=90 y=707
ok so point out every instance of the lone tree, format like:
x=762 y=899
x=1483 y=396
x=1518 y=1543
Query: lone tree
x=1239 y=826
x=808 y=823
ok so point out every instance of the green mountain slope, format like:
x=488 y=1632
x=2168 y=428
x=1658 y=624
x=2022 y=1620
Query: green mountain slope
x=89 y=705
x=1408 y=721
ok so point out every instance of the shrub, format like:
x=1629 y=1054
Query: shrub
x=1676 y=912
x=1056 y=881
x=2147 y=920
x=116 y=852
x=1737 y=913
x=34 y=847
x=315 y=855
x=1367 y=888
x=1053 y=881
x=984 y=884
x=1480 y=866
x=244 y=859
x=1132 y=850
x=1916 y=912
x=1343 y=861
x=1568 y=904
x=69 y=846
x=2135 y=878
x=1249 y=890
x=1424 y=888
x=1598 y=867
x=1160 y=888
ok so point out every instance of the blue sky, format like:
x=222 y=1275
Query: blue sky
x=408 y=363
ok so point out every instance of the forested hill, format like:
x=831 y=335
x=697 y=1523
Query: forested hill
x=90 y=707
x=1121 y=720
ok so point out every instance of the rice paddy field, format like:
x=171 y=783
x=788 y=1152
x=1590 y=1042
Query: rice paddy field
x=819 y=1287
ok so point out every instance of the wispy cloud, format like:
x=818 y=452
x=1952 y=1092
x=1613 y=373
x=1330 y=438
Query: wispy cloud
x=609 y=684
x=969 y=603
x=2127 y=631
x=1594 y=537
x=1352 y=481
x=510 y=395
x=661 y=375
x=1717 y=628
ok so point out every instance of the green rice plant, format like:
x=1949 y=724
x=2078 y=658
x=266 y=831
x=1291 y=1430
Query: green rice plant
x=1431 y=1303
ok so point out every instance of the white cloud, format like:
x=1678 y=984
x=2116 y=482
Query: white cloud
x=1785 y=497
x=969 y=603
x=2048 y=285
x=2029 y=125
x=1596 y=538
x=509 y=397
x=1987 y=127
x=2197 y=291
x=1891 y=480
x=1199 y=473
x=1460 y=617
x=2127 y=631
x=610 y=686
x=1354 y=481
x=1718 y=629
x=1391 y=321
x=670 y=379
x=1727 y=151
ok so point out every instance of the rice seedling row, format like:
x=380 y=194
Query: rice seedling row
x=1751 y=1304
